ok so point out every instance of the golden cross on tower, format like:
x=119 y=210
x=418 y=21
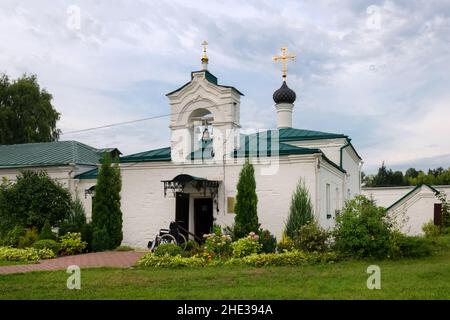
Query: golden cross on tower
x=204 y=56
x=284 y=57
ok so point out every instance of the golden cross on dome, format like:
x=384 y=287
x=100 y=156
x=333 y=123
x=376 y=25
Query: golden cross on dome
x=204 y=56
x=284 y=57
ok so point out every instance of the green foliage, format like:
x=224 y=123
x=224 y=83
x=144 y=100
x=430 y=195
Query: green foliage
x=312 y=237
x=87 y=235
x=166 y=261
x=286 y=244
x=300 y=212
x=267 y=241
x=192 y=249
x=124 y=248
x=431 y=230
x=169 y=249
x=363 y=229
x=246 y=219
x=445 y=209
x=293 y=258
x=30 y=237
x=47 y=244
x=71 y=244
x=75 y=220
x=106 y=212
x=217 y=245
x=386 y=177
x=32 y=200
x=26 y=112
x=246 y=246
x=13 y=236
x=102 y=240
x=24 y=255
x=415 y=247
x=46 y=232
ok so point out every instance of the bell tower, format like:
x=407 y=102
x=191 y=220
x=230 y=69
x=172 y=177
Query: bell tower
x=204 y=114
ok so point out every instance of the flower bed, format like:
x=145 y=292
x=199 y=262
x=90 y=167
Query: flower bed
x=25 y=255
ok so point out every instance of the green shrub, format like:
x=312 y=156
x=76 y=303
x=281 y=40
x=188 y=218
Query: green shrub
x=24 y=255
x=47 y=244
x=102 y=240
x=246 y=246
x=288 y=258
x=87 y=235
x=13 y=236
x=46 y=253
x=124 y=248
x=312 y=237
x=363 y=229
x=286 y=244
x=402 y=246
x=71 y=243
x=246 y=218
x=169 y=249
x=446 y=230
x=416 y=247
x=30 y=237
x=192 y=248
x=46 y=232
x=431 y=230
x=33 y=199
x=106 y=212
x=267 y=240
x=300 y=211
x=217 y=245
x=166 y=261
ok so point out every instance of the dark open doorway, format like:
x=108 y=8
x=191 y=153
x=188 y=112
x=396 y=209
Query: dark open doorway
x=182 y=211
x=438 y=214
x=203 y=216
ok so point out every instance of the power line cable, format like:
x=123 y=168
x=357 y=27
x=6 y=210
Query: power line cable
x=133 y=121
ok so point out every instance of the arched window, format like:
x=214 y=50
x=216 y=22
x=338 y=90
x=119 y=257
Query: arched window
x=201 y=122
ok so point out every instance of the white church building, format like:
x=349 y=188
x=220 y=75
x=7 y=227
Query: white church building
x=194 y=178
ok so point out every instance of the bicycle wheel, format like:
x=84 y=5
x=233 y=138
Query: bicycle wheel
x=168 y=238
x=182 y=241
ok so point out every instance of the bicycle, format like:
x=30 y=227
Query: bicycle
x=171 y=235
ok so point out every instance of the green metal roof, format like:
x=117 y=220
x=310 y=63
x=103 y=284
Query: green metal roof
x=208 y=76
x=411 y=192
x=48 y=154
x=252 y=145
x=162 y=154
x=293 y=134
x=91 y=174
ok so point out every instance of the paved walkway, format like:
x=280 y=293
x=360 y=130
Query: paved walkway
x=97 y=259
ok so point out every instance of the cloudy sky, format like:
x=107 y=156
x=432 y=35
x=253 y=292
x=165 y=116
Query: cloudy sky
x=378 y=71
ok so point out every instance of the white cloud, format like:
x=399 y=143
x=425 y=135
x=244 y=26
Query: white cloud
x=377 y=70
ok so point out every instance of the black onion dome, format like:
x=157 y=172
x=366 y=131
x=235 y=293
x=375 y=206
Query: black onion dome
x=284 y=94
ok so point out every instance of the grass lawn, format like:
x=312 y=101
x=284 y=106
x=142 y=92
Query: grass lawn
x=427 y=278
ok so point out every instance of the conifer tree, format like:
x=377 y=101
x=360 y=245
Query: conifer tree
x=246 y=219
x=106 y=212
x=300 y=212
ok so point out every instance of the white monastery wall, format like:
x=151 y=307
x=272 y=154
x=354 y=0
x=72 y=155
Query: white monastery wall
x=146 y=210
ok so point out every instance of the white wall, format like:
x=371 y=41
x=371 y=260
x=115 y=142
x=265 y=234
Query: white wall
x=385 y=196
x=145 y=210
x=328 y=175
x=414 y=211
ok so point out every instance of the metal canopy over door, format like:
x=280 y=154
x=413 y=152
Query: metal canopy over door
x=203 y=216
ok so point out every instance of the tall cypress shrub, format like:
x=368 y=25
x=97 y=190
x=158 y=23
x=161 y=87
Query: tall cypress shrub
x=106 y=212
x=246 y=219
x=300 y=212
